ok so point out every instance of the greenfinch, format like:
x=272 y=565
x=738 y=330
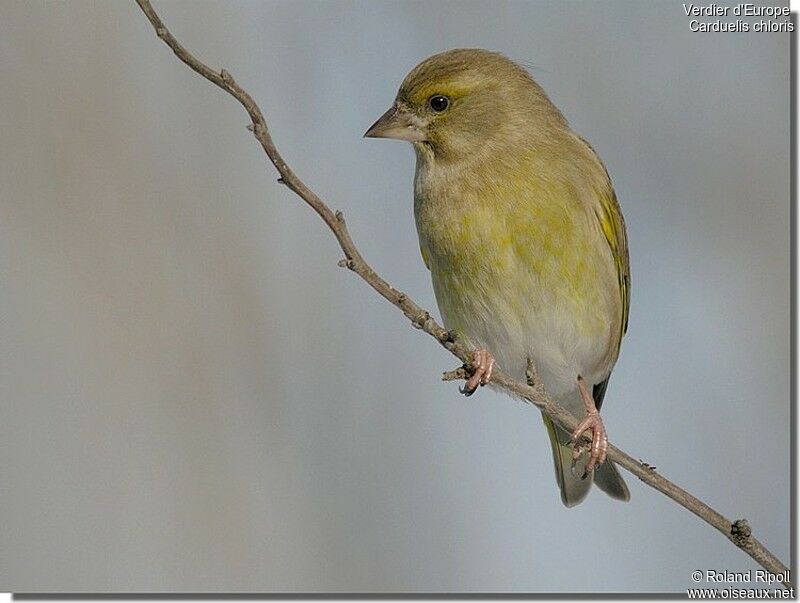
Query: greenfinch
x=521 y=230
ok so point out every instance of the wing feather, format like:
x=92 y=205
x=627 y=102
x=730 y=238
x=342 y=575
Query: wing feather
x=612 y=224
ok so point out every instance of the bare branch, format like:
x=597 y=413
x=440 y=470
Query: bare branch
x=737 y=532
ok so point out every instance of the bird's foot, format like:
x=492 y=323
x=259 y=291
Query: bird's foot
x=481 y=366
x=593 y=423
x=598 y=447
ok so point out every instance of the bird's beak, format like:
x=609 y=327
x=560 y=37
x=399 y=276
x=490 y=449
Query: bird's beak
x=397 y=123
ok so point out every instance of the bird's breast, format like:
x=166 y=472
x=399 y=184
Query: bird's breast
x=521 y=276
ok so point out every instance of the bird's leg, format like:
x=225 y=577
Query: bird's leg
x=482 y=364
x=592 y=422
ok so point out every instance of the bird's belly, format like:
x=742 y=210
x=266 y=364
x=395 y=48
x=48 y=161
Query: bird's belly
x=503 y=306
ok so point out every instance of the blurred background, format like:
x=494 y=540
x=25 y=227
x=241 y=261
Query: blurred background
x=193 y=397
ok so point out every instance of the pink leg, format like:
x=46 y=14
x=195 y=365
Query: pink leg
x=593 y=423
x=482 y=365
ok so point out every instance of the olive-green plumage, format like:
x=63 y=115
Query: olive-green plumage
x=520 y=228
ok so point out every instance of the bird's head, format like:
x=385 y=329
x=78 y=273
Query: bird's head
x=458 y=102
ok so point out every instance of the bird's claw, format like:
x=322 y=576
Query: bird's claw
x=465 y=391
x=576 y=454
x=599 y=446
x=481 y=366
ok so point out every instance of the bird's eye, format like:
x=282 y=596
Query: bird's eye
x=438 y=102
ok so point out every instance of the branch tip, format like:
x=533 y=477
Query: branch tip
x=741 y=532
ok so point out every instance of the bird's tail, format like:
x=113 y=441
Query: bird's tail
x=573 y=488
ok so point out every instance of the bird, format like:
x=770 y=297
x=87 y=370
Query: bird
x=520 y=227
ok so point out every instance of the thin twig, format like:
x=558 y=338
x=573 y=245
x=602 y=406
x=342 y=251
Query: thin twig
x=737 y=532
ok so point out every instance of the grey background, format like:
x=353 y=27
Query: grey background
x=194 y=397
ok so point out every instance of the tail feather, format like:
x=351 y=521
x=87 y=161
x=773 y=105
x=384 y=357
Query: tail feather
x=608 y=479
x=573 y=488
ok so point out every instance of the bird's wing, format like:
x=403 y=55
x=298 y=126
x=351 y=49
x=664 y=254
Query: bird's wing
x=613 y=225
